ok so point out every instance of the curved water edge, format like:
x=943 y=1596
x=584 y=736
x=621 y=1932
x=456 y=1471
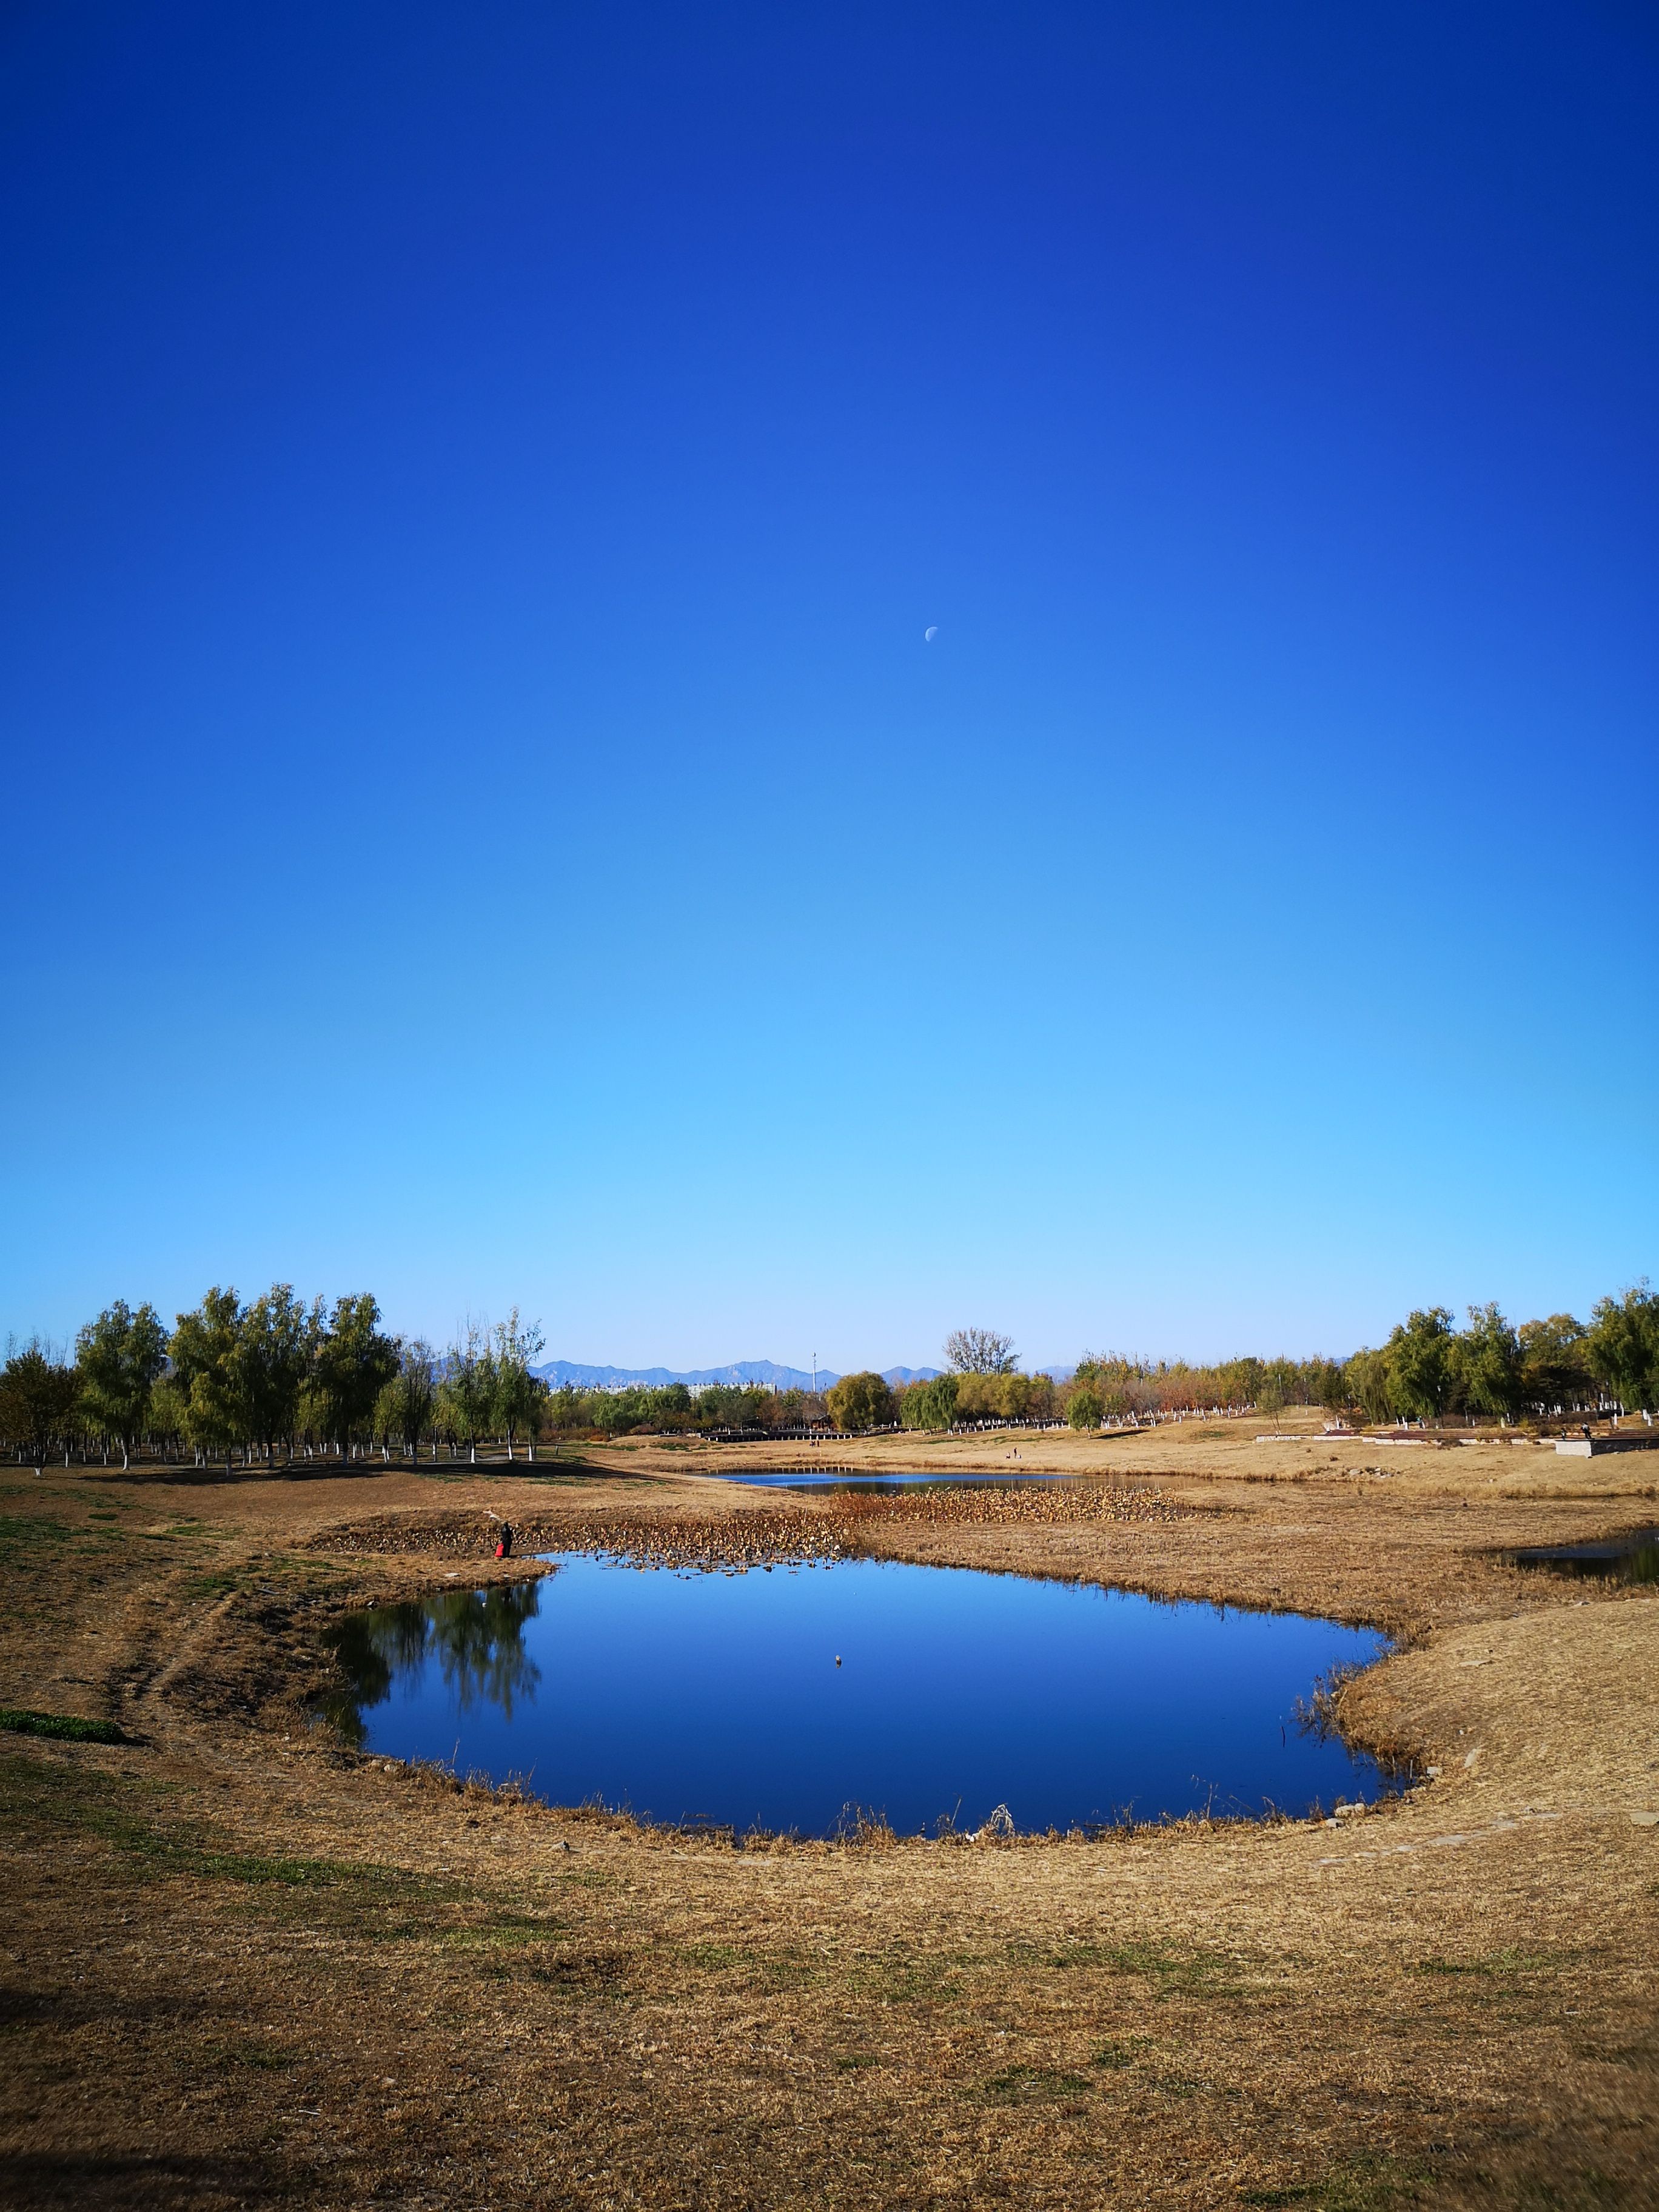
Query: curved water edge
x=775 y=1699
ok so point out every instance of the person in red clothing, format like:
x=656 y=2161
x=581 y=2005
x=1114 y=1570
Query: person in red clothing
x=504 y=1542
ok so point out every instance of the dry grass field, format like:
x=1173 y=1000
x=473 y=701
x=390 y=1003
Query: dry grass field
x=244 y=1965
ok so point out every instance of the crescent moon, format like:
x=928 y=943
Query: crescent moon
x=930 y=633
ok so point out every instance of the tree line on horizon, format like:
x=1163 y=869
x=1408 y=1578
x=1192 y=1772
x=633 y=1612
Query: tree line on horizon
x=277 y=1373
x=1428 y=1369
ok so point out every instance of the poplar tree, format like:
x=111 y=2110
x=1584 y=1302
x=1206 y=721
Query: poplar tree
x=412 y=1393
x=515 y=1392
x=465 y=1393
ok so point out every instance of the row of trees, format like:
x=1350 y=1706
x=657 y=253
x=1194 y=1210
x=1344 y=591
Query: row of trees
x=1429 y=1370
x=280 y=1374
x=729 y=1408
x=276 y=1373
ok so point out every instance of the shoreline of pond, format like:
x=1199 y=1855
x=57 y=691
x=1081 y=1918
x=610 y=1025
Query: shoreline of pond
x=1015 y=1694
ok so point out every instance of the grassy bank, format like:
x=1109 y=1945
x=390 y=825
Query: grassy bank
x=247 y=1966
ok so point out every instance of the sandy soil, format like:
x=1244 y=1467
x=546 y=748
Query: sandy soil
x=243 y=1964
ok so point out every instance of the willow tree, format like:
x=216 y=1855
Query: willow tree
x=120 y=1358
x=1623 y=1348
x=354 y=1363
x=862 y=1401
x=203 y=1349
x=1487 y=1364
x=278 y=1339
x=1421 y=1363
x=1555 y=1371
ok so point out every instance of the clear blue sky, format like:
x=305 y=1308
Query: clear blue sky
x=484 y=823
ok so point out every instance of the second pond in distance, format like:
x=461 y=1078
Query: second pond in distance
x=718 y=1696
x=1633 y=1558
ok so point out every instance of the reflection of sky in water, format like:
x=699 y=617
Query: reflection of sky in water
x=717 y=1696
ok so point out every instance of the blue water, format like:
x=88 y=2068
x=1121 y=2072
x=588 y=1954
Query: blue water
x=718 y=1696
x=1631 y=1557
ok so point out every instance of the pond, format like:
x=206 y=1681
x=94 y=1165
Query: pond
x=778 y=1697
x=1631 y=1557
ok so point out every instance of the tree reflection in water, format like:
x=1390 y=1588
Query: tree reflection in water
x=476 y=1636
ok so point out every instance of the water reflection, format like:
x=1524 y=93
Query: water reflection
x=1630 y=1558
x=475 y=1637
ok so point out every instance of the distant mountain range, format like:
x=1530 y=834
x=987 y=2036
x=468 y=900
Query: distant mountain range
x=766 y=1372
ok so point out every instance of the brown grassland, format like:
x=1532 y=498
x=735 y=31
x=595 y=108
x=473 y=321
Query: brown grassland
x=245 y=1966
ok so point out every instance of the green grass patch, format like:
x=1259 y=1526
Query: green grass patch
x=712 y=1958
x=45 y=1804
x=65 y=1728
x=1172 y=1971
x=219 y=1584
x=766 y=1968
x=24 y=1536
x=1175 y=1972
x=1510 y=1960
x=248 y=2052
x=1114 y=2056
x=504 y=1931
x=1360 y=2184
x=1032 y=2085
x=287 y=1873
x=905 y=1976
